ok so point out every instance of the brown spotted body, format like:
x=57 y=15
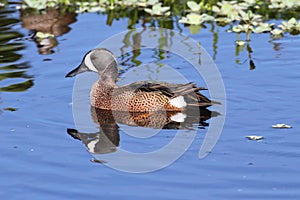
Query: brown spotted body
x=129 y=99
x=145 y=96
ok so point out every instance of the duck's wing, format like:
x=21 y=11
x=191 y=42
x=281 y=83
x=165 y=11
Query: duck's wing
x=189 y=91
x=192 y=95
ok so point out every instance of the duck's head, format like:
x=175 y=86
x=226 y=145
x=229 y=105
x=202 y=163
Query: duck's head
x=98 y=60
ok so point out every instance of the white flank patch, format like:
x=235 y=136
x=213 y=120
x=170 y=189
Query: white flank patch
x=91 y=145
x=88 y=62
x=178 y=102
x=179 y=117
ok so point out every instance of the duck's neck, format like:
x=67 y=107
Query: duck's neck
x=100 y=95
x=108 y=81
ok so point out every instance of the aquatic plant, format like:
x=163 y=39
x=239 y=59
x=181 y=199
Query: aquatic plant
x=196 y=19
x=243 y=16
x=292 y=26
x=284 y=4
x=229 y=11
x=157 y=10
x=36 y=4
x=249 y=23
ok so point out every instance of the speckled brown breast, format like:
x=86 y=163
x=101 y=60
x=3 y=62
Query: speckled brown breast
x=108 y=97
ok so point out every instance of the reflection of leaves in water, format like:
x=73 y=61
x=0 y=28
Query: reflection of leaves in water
x=240 y=46
x=19 y=87
x=19 y=66
x=252 y=65
x=129 y=60
x=8 y=36
x=10 y=57
x=132 y=40
x=7 y=21
x=10 y=45
x=19 y=74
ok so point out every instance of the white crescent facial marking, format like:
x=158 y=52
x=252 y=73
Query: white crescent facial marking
x=179 y=117
x=88 y=62
x=178 y=102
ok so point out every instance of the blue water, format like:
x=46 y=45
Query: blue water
x=39 y=160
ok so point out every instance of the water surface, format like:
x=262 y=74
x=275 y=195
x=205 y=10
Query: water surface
x=39 y=160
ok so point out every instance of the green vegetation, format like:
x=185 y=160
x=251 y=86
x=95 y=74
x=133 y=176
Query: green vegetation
x=248 y=16
x=275 y=17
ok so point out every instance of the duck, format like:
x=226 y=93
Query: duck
x=140 y=96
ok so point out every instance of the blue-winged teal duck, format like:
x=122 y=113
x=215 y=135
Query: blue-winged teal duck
x=140 y=96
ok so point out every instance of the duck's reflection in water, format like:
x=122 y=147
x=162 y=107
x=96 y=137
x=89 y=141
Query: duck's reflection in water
x=107 y=139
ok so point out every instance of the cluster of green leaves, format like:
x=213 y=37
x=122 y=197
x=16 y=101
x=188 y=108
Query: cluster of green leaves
x=43 y=4
x=153 y=7
x=249 y=16
x=245 y=16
